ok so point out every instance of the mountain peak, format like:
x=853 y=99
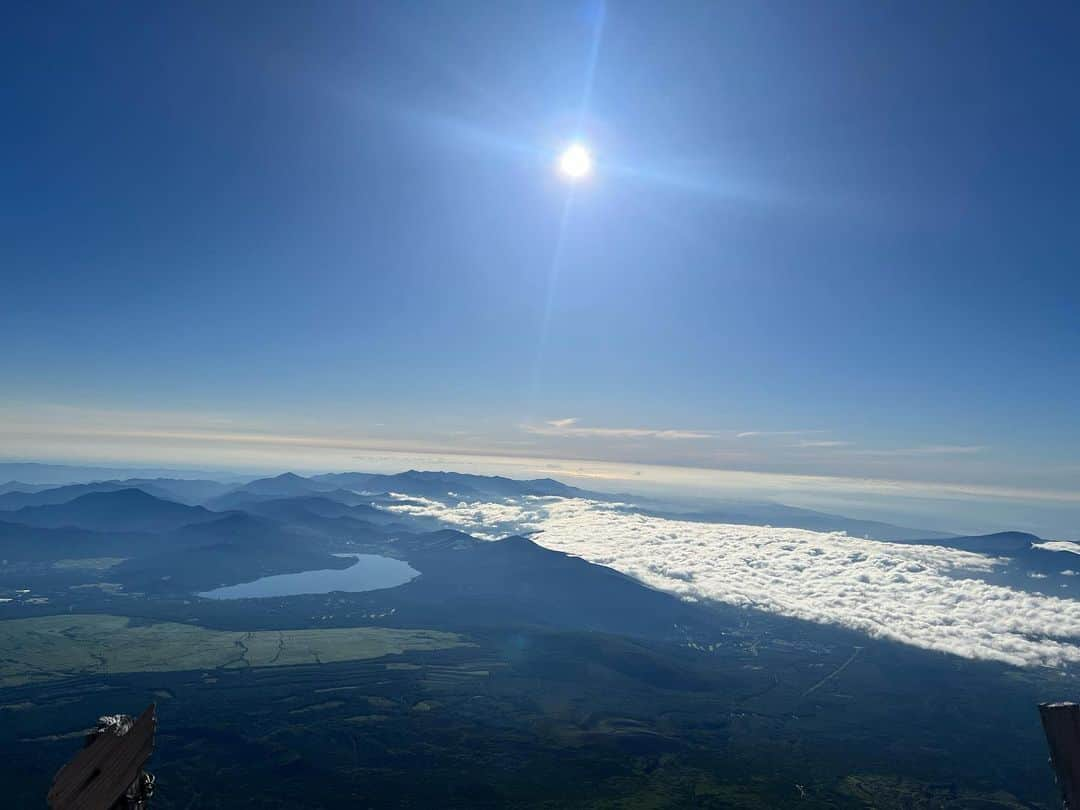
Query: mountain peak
x=127 y=495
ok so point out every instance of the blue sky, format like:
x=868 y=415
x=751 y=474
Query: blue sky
x=829 y=239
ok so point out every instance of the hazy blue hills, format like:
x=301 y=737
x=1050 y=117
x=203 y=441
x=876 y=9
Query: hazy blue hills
x=129 y=510
x=235 y=527
x=287 y=485
x=441 y=484
x=59 y=474
x=234 y=548
x=346 y=487
x=191 y=492
x=329 y=519
x=240 y=529
x=283 y=485
x=305 y=507
x=1006 y=543
x=22 y=543
x=11 y=501
x=246 y=499
x=21 y=486
x=168 y=547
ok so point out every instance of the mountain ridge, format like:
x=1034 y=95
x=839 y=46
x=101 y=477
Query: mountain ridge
x=128 y=509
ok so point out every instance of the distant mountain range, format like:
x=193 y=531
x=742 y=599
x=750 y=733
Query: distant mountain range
x=411 y=482
x=436 y=484
x=121 y=510
x=177 y=535
x=362 y=493
x=22 y=487
x=190 y=492
x=360 y=489
x=33 y=473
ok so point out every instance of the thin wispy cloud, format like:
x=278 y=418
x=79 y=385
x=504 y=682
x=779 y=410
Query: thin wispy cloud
x=569 y=427
x=563 y=423
x=761 y=434
x=927 y=450
x=823 y=443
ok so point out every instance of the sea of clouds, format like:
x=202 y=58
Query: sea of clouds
x=926 y=596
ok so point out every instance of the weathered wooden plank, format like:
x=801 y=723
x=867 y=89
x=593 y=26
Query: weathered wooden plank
x=99 y=774
x=1061 y=722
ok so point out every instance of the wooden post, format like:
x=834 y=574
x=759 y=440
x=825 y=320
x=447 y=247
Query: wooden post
x=101 y=773
x=1061 y=722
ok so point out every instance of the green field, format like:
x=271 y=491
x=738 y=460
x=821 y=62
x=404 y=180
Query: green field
x=87 y=563
x=52 y=647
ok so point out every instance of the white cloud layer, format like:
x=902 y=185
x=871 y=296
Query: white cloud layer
x=1059 y=545
x=916 y=595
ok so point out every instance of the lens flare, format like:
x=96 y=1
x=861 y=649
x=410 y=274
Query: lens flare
x=575 y=163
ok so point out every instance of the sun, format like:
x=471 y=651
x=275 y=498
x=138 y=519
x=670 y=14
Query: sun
x=575 y=163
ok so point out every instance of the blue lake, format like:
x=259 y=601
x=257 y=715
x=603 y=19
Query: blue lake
x=370 y=572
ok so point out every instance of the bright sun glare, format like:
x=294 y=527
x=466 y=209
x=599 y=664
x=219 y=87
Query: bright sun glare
x=575 y=163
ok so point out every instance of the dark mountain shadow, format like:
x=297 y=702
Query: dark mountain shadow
x=235 y=548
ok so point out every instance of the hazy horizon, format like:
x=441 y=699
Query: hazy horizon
x=938 y=507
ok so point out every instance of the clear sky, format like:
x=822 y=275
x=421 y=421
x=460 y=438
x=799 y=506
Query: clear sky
x=829 y=239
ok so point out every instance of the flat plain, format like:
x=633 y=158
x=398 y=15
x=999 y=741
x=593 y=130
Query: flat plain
x=48 y=648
